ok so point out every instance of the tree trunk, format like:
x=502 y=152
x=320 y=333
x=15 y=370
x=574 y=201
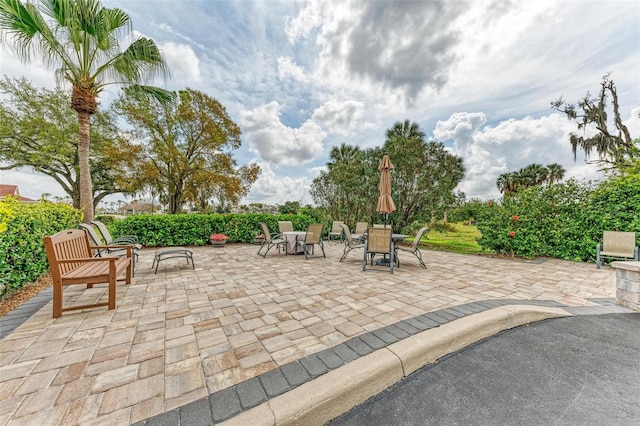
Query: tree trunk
x=86 y=192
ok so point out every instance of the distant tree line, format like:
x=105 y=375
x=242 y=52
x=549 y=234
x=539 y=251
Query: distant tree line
x=531 y=175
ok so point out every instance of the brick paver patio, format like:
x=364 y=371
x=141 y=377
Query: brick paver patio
x=182 y=334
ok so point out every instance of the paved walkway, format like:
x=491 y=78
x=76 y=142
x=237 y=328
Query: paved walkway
x=223 y=337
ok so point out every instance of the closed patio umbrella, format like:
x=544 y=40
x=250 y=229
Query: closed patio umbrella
x=385 y=202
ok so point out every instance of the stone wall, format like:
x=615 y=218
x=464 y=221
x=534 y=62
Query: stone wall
x=628 y=284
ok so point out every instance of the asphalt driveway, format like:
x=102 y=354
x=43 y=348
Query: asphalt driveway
x=582 y=370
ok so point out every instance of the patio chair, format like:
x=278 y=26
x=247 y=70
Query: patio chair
x=285 y=226
x=312 y=237
x=358 y=233
x=378 y=242
x=109 y=240
x=270 y=240
x=413 y=248
x=350 y=243
x=336 y=230
x=109 y=251
x=617 y=245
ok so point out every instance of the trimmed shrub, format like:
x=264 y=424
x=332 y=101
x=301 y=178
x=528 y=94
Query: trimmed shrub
x=22 y=255
x=563 y=220
x=195 y=229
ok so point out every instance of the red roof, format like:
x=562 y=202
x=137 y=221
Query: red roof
x=9 y=190
x=13 y=191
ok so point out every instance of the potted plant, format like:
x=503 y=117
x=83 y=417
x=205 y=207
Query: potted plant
x=258 y=239
x=218 y=240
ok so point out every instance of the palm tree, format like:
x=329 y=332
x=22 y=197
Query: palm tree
x=508 y=182
x=345 y=154
x=533 y=174
x=556 y=172
x=79 y=38
x=406 y=130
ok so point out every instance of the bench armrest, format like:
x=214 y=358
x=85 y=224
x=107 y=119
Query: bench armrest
x=87 y=260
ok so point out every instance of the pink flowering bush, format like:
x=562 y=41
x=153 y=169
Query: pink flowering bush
x=219 y=237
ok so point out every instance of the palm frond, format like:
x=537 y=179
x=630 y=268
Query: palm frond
x=164 y=97
x=140 y=62
x=19 y=22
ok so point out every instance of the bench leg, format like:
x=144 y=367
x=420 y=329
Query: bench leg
x=129 y=273
x=57 y=300
x=112 y=290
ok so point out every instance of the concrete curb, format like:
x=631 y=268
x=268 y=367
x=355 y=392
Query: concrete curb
x=332 y=394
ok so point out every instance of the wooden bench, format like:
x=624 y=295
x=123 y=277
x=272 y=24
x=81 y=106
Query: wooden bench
x=70 y=259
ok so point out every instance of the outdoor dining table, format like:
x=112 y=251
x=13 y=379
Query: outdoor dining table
x=292 y=237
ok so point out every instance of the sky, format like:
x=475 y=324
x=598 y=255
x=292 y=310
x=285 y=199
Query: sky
x=301 y=77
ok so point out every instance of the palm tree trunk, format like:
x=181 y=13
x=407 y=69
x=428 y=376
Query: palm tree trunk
x=86 y=195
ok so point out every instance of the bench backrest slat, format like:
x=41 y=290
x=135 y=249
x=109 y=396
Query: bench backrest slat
x=68 y=244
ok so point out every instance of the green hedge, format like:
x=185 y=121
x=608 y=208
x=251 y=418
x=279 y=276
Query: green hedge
x=22 y=256
x=564 y=220
x=195 y=229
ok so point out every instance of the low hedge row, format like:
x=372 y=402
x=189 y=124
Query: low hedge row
x=23 y=226
x=195 y=229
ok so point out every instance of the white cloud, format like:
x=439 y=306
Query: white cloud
x=183 y=63
x=271 y=189
x=301 y=25
x=31 y=184
x=315 y=171
x=288 y=69
x=633 y=122
x=488 y=151
x=277 y=143
x=35 y=70
x=339 y=116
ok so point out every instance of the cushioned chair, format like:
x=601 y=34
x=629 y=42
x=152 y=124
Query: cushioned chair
x=110 y=251
x=378 y=241
x=413 y=248
x=285 y=226
x=109 y=240
x=350 y=243
x=358 y=233
x=336 y=230
x=271 y=240
x=312 y=237
x=619 y=245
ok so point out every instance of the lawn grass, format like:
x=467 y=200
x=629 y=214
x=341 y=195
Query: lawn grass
x=463 y=240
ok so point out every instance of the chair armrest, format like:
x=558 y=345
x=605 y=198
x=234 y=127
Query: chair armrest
x=131 y=239
x=87 y=260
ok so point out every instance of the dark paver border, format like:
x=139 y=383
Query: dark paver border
x=19 y=315
x=229 y=402
x=232 y=401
